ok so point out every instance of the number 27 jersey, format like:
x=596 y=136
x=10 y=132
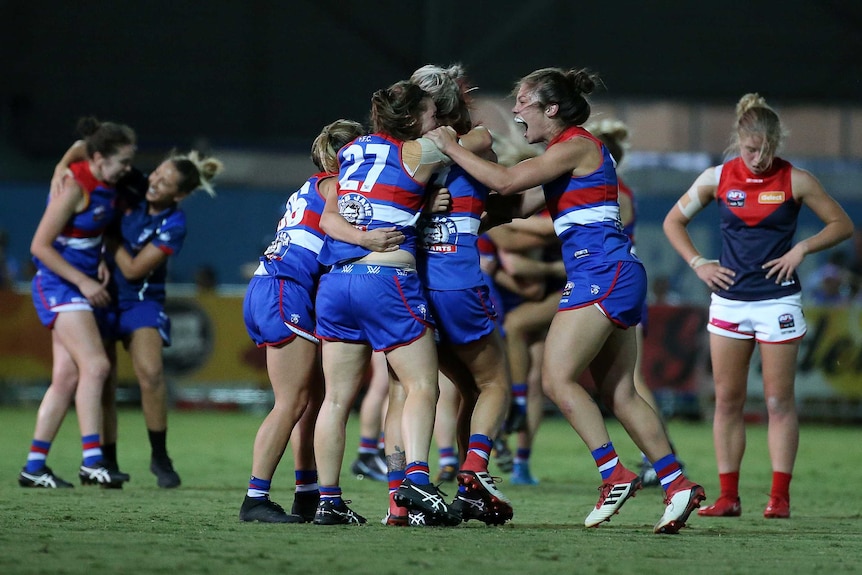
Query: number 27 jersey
x=374 y=191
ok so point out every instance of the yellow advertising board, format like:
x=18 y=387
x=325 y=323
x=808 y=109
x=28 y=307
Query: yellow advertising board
x=211 y=348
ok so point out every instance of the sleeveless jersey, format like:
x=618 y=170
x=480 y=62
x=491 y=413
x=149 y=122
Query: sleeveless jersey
x=586 y=212
x=374 y=191
x=449 y=258
x=629 y=228
x=166 y=231
x=758 y=217
x=80 y=242
x=298 y=238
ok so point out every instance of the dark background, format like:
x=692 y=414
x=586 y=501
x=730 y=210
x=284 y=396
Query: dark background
x=256 y=78
x=269 y=74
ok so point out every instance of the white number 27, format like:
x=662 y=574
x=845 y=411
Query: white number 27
x=356 y=155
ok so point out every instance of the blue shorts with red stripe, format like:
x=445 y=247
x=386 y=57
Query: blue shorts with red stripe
x=52 y=295
x=382 y=306
x=276 y=310
x=619 y=289
x=463 y=316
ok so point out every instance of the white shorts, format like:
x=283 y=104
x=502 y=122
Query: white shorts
x=768 y=321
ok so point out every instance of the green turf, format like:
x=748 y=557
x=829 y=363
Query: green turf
x=195 y=530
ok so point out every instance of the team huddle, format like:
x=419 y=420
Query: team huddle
x=381 y=251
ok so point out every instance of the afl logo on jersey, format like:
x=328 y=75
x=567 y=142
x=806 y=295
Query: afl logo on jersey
x=775 y=197
x=736 y=198
x=356 y=209
x=786 y=321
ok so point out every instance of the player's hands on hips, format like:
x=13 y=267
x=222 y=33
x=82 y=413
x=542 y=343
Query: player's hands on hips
x=715 y=275
x=782 y=268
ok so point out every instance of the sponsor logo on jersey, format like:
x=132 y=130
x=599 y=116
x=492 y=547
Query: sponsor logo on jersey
x=774 y=197
x=736 y=198
x=594 y=289
x=786 y=321
x=443 y=248
x=582 y=253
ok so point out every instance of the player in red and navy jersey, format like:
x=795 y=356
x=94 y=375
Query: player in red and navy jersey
x=605 y=291
x=756 y=295
x=68 y=286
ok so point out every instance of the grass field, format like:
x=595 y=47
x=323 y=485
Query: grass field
x=195 y=530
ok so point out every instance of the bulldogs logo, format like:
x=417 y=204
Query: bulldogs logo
x=356 y=209
x=438 y=235
x=279 y=246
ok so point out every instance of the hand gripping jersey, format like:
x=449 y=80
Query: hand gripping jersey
x=374 y=191
x=80 y=242
x=586 y=212
x=758 y=220
x=449 y=258
x=298 y=238
x=166 y=231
